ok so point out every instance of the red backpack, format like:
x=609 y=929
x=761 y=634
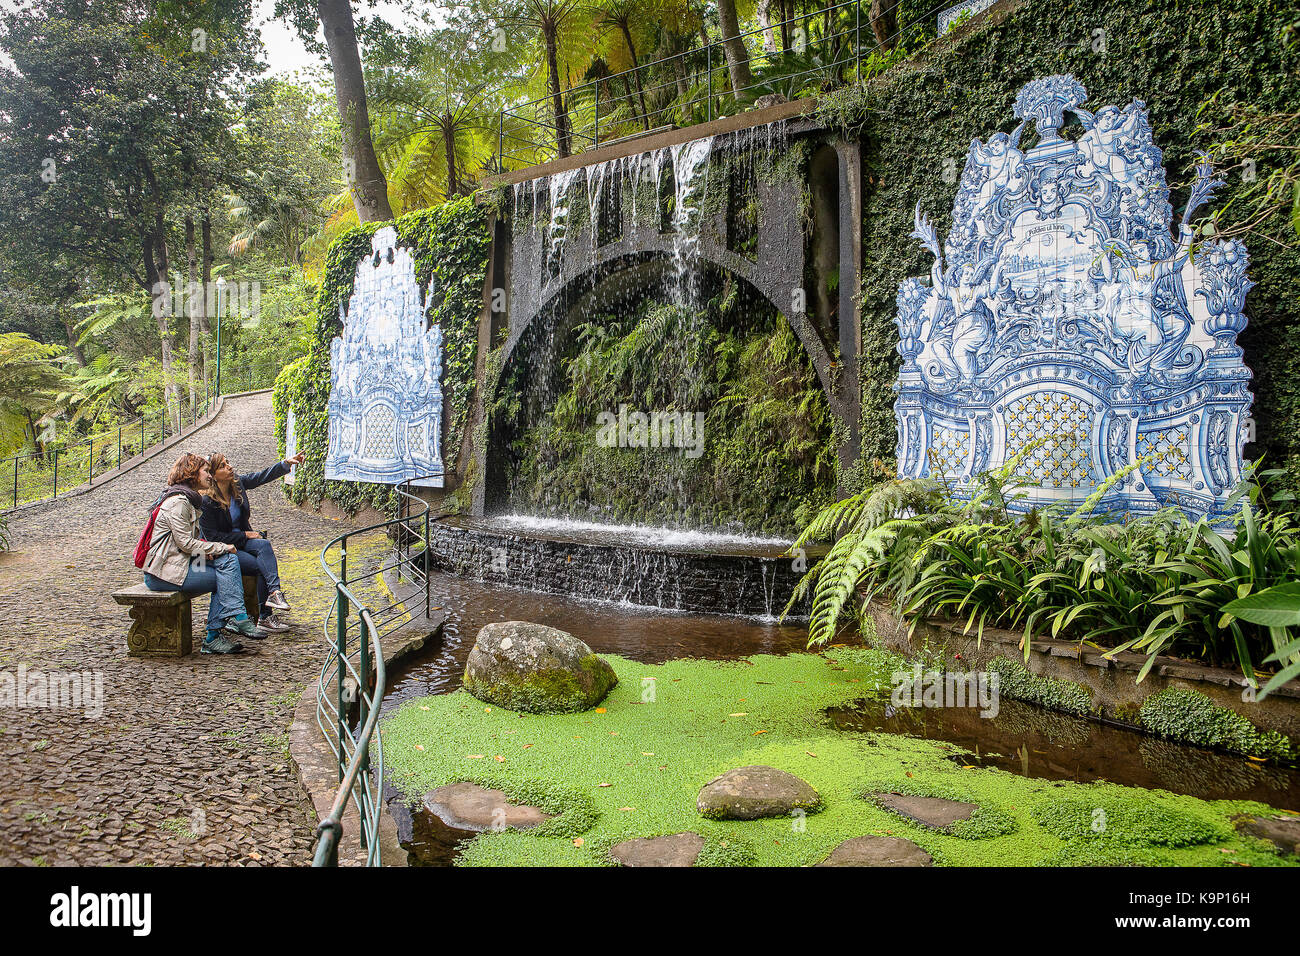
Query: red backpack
x=146 y=536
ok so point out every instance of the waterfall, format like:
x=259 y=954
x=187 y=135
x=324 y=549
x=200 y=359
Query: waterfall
x=690 y=167
x=557 y=229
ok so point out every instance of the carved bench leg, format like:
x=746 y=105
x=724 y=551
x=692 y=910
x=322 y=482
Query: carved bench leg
x=160 y=631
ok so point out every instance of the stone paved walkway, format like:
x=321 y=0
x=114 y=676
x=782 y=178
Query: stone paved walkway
x=189 y=762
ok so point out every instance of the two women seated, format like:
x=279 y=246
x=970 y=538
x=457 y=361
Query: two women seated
x=202 y=543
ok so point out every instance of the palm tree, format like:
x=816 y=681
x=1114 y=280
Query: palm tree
x=30 y=381
x=548 y=17
x=617 y=14
x=426 y=118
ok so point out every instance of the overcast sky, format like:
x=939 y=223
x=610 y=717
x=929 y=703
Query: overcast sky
x=284 y=51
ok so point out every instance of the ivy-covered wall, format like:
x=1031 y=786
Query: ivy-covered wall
x=918 y=119
x=450 y=245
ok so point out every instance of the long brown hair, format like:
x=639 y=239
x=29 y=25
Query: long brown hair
x=218 y=494
x=186 y=470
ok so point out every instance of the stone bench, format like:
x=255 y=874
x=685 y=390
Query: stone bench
x=161 y=622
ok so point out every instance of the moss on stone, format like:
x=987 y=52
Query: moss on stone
x=1019 y=683
x=985 y=821
x=552 y=690
x=1192 y=717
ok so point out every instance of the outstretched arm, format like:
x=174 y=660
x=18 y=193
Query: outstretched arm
x=258 y=478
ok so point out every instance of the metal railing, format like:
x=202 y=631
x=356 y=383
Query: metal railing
x=822 y=48
x=354 y=639
x=63 y=465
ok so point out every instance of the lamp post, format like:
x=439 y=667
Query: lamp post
x=221 y=288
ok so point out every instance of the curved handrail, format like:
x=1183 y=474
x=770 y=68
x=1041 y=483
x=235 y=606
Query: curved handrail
x=358 y=781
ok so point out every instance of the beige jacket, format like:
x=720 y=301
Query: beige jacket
x=176 y=540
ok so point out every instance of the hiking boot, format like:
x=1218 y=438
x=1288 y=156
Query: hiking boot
x=244 y=627
x=221 y=645
x=273 y=624
x=276 y=600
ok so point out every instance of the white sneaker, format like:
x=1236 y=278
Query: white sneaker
x=276 y=600
x=273 y=624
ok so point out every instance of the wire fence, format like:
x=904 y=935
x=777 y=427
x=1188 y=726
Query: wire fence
x=788 y=59
x=61 y=465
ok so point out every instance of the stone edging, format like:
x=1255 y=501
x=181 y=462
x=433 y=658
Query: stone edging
x=318 y=771
x=1111 y=682
x=138 y=460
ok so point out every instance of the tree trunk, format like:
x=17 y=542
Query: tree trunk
x=155 y=270
x=765 y=24
x=734 y=47
x=74 y=349
x=562 y=137
x=884 y=22
x=205 y=277
x=636 y=73
x=192 y=293
x=366 y=179
x=449 y=144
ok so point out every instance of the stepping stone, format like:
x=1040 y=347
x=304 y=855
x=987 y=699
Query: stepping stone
x=748 y=793
x=679 y=849
x=933 y=812
x=467 y=806
x=877 y=851
x=1282 y=832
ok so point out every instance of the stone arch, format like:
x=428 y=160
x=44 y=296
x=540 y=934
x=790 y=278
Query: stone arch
x=619 y=272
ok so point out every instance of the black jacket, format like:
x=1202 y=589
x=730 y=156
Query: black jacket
x=217 y=525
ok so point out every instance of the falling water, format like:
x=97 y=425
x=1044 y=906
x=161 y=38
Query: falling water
x=690 y=165
x=557 y=229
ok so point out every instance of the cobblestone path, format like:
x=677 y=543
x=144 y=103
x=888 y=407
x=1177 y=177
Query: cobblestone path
x=189 y=762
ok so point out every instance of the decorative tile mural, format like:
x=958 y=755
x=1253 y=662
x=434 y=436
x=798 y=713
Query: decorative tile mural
x=290 y=443
x=1064 y=322
x=385 y=406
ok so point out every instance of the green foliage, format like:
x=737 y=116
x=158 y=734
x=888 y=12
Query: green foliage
x=1019 y=683
x=1156 y=584
x=766 y=433
x=449 y=245
x=1128 y=823
x=1192 y=717
x=30 y=379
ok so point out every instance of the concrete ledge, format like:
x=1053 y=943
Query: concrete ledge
x=1116 y=694
x=647 y=142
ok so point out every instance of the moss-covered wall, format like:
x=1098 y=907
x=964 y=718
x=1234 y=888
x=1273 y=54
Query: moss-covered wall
x=919 y=118
x=450 y=245
x=755 y=454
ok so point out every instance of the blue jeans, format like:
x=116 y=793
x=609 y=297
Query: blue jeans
x=220 y=577
x=258 y=557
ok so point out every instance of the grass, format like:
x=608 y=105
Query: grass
x=634 y=767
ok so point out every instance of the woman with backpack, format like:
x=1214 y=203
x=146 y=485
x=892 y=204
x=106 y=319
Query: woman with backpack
x=227 y=518
x=180 y=559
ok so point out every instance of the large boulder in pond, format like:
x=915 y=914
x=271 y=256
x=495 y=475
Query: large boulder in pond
x=535 y=669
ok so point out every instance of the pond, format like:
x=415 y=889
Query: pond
x=1022 y=739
